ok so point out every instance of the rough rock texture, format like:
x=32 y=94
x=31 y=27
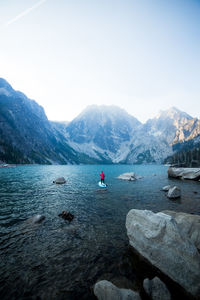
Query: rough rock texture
x=166 y=188
x=159 y=239
x=189 y=224
x=105 y=290
x=156 y=289
x=60 y=180
x=174 y=192
x=129 y=176
x=184 y=173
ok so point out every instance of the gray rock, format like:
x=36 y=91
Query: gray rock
x=105 y=290
x=60 y=180
x=174 y=192
x=36 y=219
x=156 y=289
x=166 y=188
x=129 y=176
x=184 y=173
x=189 y=224
x=159 y=239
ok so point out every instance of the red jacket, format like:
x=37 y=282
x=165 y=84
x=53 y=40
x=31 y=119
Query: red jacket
x=102 y=175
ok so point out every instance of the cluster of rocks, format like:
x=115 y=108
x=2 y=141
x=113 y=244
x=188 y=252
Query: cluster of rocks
x=184 y=173
x=131 y=176
x=170 y=242
x=173 y=192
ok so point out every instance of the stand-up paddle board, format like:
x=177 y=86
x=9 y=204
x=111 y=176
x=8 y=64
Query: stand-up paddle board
x=102 y=185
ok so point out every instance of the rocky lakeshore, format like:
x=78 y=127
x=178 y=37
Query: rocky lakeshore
x=184 y=173
x=164 y=253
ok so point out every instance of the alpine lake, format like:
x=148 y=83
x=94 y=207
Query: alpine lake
x=58 y=259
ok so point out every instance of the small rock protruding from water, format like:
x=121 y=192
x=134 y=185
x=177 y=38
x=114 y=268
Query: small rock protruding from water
x=36 y=219
x=60 y=180
x=174 y=192
x=66 y=215
x=105 y=290
x=131 y=176
x=166 y=188
x=156 y=289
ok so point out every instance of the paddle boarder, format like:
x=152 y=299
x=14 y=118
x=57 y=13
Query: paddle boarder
x=102 y=175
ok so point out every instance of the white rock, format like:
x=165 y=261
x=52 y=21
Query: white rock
x=105 y=290
x=160 y=240
x=174 y=192
x=184 y=173
x=36 y=219
x=129 y=176
x=166 y=188
x=60 y=180
x=156 y=289
x=189 y=224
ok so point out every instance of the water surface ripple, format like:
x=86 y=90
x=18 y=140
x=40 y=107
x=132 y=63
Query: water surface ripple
x=58 y=260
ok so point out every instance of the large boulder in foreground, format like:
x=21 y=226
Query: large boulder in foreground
x=189 y=224
x=105 y=290
x=184 y=173
x=156 y=289
x=129 y=176
x=174 y=192
x=158 y=238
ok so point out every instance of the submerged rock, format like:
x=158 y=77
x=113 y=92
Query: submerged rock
x=156 y=289
x=174 y=192
x=66 y=215
x=60 y=180
x=129 y=176
x=158 y=238
x=189 y=224
x=105 y=290
x=184 y=173
x=36 y=219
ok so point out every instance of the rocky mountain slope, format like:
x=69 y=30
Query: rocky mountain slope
x=26 y=135
x=108 y=132
x=100 y=134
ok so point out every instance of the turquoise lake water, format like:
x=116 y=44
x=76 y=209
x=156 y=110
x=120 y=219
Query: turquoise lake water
x=61 y=260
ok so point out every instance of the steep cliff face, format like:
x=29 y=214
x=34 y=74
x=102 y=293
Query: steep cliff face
x=26 y=135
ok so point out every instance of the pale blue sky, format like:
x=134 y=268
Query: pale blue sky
x=143 y=55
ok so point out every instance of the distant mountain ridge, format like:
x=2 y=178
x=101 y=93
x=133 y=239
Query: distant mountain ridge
x=100 y=134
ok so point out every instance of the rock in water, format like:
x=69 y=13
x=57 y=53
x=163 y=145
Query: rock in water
x=105 y=290
x=156 y=289
x=129 y=176
x=66 y=215
x=189 y=224
x=184 y=173
x=174 y=192
x=60 y=180
x=159 y=239
x=36 y=219
x=166 y=188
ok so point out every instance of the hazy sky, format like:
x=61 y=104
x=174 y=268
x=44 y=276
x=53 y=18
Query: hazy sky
x=141 y=55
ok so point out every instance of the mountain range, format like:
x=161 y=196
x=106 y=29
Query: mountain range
x=100 y=134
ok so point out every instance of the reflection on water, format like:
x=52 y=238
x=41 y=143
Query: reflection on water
x=61 y=260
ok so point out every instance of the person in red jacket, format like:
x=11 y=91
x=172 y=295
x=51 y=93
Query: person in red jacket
x=102 y=175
